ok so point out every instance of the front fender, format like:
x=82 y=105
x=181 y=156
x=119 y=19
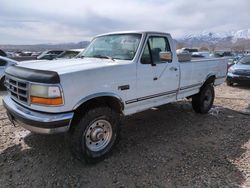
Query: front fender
x=96 y=95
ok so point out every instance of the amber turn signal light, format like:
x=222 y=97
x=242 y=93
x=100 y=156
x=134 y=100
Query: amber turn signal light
x=46 y=101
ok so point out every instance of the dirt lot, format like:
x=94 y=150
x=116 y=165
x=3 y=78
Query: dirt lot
x=166 y=147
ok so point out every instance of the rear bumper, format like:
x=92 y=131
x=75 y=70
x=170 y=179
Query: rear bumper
x=38 y=122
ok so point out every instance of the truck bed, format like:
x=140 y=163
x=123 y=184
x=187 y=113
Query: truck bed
x=193 y=74
x=199 y=59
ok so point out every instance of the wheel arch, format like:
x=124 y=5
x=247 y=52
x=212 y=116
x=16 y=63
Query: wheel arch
x=2 y=77
x=209 y=80
x=111 y=99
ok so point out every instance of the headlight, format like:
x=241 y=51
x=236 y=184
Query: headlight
x=231 y=70
x=46 y=95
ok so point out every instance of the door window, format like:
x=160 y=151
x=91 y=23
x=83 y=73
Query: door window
x=155 y=45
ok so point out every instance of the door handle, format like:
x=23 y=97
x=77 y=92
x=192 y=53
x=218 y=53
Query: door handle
x=173 y=69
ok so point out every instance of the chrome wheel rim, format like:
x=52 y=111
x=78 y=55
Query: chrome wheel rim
x=98 y=135
x=207 y=98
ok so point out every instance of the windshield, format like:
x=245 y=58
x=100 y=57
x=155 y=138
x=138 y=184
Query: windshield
x=245 y=60
x=116 y=46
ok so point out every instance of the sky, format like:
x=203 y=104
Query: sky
x=62 y=21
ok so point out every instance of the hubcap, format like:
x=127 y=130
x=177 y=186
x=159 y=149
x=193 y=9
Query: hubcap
x=207 y=98
x=98 y=135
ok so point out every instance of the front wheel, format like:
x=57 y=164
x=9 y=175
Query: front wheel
x=2 y=87
x=203 y=101
x=95 y=133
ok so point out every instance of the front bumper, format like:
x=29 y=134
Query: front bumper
x=38 y=122
x=237 y=78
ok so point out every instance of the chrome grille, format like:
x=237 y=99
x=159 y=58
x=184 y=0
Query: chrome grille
x=18 y=89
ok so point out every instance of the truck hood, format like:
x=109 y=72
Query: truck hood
x=63 y=66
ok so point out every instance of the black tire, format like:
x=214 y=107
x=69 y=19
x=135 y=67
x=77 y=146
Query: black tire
x=229 y=83
x=203 y=101
x=79 y=132
x=2 y=87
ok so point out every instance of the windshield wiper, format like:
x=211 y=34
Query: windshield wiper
x=104 y=56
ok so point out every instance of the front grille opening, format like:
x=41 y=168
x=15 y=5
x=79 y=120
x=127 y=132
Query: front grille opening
x=13 y=82
x=14 y=94
x=24 y=99
x=22 y=92
x=23 y=85
x=18 y=89
x=14 y=89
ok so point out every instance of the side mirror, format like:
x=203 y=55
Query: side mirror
x=166 y=56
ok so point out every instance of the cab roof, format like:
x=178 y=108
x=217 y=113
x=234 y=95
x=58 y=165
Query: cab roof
x=134 y=32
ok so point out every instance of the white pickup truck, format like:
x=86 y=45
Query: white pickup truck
x=119 y=74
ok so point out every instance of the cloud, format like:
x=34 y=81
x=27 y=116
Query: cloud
x=28 y=21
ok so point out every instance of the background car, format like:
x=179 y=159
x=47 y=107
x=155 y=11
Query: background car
x=239 y=72
x=4 y=63
x=68 y=54
x=49 y=54
x=234 y=60
x=2 y=53
x=200 y=54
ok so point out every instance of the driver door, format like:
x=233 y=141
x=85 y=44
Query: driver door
x=157 y=79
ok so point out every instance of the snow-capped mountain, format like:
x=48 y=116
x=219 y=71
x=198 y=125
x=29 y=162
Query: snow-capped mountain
x=242 y=34
x=221 y=40
x=212 y=36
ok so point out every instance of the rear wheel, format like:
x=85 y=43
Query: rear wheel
x=95 y=134
x=229 y=83
x=203 y=101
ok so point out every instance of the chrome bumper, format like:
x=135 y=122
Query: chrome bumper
x=38 y=122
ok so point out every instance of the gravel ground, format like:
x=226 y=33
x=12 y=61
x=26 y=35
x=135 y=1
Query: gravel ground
x=170 y=146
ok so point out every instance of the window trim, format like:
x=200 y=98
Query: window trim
x=136 y=51
x=166 y=40
x=146 y=42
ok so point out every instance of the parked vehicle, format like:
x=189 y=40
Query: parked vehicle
x=3 y=53
x=4 y=63
x=215 y=55
x=50 y=54
x=119 y=74
x=36 y=54
x=68 y=54
x=201 y=54
x=190 y=50
x=21 y=56
x=183 y=55
x=10 y=54
x=239 y=72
